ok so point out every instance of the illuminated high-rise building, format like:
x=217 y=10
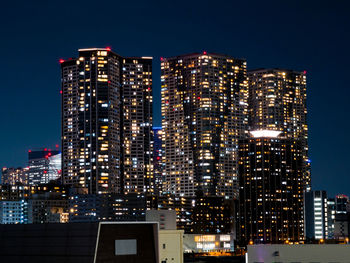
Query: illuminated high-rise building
x=44 y=166
x=317 y=222
x=271 y=203
x=106 y=122
x=277 y=101
x=204 y=114
x=136 y=131
x=157 y=158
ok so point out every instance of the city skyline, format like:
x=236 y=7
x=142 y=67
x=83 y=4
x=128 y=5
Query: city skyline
x=33 y=120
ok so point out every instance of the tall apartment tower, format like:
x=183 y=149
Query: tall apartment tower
x=277 y=101
x=274 y=168
x=271 y=190
x=106 y=122
x=204 y=114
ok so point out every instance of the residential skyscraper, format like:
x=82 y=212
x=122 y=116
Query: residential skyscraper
x=106 y=122
x=136 y=131
x=271 y=190
x=277 y=101
x=204 y=114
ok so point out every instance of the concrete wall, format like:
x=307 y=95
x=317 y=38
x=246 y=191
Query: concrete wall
x=308 y=253
x=171 y=246
x=165 y=218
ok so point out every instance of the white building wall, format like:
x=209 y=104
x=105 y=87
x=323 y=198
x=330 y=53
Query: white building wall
x=309 y=253
x=171 y=246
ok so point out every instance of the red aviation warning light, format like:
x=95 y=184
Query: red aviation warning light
x=61 y=60
x=108 y=48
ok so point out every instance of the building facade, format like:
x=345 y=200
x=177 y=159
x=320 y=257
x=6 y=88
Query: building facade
x=204 y=114
x=44 y=166
x=106 y=207
x=277 y=101
x=316 y=215
x=107 y=139
x=331 y=217
x=271 y=191
x=14 y=212
x=13 y=176
x=157 y=159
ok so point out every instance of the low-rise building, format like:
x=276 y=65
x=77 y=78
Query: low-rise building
x=197 y=243
x=325 y=253
x=14 y=212
x=122 y=242
x=106 y=207
x=165 y=218
x=171 y=246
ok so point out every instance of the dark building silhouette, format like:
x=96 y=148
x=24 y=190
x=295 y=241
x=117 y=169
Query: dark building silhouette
x=79 y=243
x=106 y=207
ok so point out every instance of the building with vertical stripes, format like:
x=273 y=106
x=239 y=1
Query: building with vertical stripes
x=204 y=114
x=106 y=122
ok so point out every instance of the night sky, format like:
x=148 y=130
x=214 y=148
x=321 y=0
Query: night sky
x=301 y=35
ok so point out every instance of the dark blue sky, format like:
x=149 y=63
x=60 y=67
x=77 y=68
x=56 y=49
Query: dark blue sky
x=301 y=35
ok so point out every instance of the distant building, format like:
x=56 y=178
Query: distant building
x=331 y=217
x=44 y=166
x=342 y=217
x=13 y=212
x=199 y=215
x=342 y=226
x=48 y=208
x=14 y=192
x=106 y=207
x=194 y=243
x=213 y=215
x=316 y=215
x=182 y=205
x=14 y=176
x=341 y=202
